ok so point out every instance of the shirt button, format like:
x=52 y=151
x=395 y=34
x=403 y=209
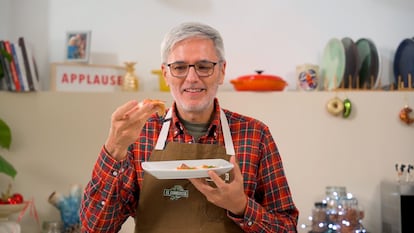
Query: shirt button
x=122 y=170
x=115 y=173
x=250 y=223
x=102 y=203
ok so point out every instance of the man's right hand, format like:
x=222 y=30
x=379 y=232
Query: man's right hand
x=126 y=124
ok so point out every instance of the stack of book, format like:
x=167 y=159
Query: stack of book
x=18 y=69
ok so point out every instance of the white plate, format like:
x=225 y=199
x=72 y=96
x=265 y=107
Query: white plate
x=168 y=169
x=9 y=209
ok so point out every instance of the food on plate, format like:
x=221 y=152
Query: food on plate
x=347 y=108
x=335 y=106
x=184 y=166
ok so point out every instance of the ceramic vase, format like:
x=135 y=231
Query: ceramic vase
x=130 y=79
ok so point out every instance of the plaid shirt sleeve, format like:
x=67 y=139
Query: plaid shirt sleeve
x=270 y=206
x=110 y=196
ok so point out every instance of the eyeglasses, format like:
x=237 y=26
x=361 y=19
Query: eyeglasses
x=202 y=68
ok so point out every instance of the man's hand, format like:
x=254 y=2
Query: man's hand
x=229 y=196
x=126 y=124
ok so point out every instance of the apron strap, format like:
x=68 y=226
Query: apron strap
x=164 y=131
x=228 y=141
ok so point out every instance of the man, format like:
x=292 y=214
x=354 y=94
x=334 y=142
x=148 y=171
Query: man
x=253 y=197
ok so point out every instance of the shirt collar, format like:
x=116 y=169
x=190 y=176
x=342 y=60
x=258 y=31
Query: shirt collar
x=213 y=129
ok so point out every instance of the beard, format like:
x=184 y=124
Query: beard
x=197 y=104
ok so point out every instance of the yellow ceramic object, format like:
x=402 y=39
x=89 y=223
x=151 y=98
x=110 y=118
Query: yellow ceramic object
x=130 y=81
x=163 y=85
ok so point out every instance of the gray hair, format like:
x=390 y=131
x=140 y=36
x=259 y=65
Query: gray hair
x=190 y=30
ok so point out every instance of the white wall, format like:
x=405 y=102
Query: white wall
x=272 y=35
x=5 y=16
x=30 y=20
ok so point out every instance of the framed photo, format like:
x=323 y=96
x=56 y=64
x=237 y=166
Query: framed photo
x=78 y=45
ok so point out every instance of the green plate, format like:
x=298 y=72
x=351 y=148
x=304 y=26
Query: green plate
x=368 y=66
x=333 y=64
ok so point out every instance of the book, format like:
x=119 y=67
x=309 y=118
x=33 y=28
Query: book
x=12 y=67
x=19 y=68
x=1 y=70
x=3 y=76
x=3 y=85
x=29 y=73
x=33 y=68
x=5 y=61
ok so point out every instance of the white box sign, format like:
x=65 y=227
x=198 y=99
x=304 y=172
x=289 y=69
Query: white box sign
x=73 y=77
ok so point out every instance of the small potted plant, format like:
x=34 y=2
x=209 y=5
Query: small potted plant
x=10 y=203
x=7 y=168
x=5 y=141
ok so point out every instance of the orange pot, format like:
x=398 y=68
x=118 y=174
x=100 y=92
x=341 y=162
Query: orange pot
x=259 y=82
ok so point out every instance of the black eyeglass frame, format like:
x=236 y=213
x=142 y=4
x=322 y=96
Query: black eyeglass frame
x=195 y=68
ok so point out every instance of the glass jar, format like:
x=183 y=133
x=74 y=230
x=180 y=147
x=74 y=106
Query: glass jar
x=350 y=215
x=319 y=218
x=52 y=227
x=334 y=195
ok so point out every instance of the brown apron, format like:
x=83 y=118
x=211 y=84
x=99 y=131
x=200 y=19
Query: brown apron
x=176 y=206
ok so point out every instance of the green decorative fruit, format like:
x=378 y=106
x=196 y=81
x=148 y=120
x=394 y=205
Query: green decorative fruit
x=347 y=108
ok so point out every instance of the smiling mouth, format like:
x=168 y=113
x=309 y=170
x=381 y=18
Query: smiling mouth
x=194 y=90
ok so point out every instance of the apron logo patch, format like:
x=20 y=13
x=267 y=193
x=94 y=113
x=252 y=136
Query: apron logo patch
x=175 y=192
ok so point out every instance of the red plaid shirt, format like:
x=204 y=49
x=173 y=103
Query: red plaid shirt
x=112 y=194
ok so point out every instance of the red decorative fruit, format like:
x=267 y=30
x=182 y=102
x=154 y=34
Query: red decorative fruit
x=3 y=202
x=11 y=198
x=17 y=198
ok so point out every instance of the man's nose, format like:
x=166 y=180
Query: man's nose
x=192 y=74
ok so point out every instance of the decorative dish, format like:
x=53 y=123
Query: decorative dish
x=368 y=63
x=404 y=62
x=333 y=64
x=172 y=169
x=8 y=209
x=351 y=57
x=375 y=65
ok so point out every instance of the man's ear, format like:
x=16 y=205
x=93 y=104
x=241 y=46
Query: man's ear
x=164 y=73
x=222 y=70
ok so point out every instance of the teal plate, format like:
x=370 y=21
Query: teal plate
x=333 y=64
x=368 y=63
